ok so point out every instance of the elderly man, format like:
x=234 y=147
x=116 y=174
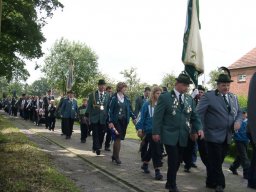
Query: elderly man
x=97 y=111
x=220 y=115
x=174 y=118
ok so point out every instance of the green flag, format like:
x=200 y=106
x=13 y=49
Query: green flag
x=192 y=54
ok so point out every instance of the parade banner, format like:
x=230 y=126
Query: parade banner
x=192 y=54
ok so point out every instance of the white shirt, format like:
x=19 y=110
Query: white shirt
x=178 y=95
x=120 y=97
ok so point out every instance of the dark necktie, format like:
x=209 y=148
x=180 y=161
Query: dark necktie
x=180 y=102
x=226 y=102
x=101 y=97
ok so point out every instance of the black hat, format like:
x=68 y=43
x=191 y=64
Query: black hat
x=101 y=82
x=184 y=78
x=70 y=91
x=49 y=91
x=200 y=87
x=223 y=78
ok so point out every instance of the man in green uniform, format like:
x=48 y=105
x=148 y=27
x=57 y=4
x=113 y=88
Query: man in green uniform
x=174 y=119
x=97 y=110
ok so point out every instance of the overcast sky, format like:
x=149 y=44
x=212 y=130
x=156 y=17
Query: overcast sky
x=148 y=34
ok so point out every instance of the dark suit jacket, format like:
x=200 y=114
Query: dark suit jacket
x=217 y=121
x=251 y=108
x=172 y=122
x=113 y=110
x=138 y=104
x=69 y=109
x=97 y=115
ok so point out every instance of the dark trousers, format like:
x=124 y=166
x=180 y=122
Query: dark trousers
x=143 y=147
x=52 y=121
x=202 y=148
x=14 y=111
x=194 y=152
x=98 y=131
x=108 y=137
x=216 y=155
x=241 y=157
x=46 y=119
x=63 y=126
x=175 y=154
x=188 y=152
x=84 y=131
x=153 y=151
x=68 y=126
x=252 y=169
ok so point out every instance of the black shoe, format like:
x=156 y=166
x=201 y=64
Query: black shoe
x=251 y=186
x=186 y=170
x=83 y=141
x=234 y=171
x=173 y=189
x=98 y=152
x=68 y=137
x=219 y=188
x=245 y=174
x=144 y=167
x=193 y=165
x=117 y=161
x=107 y=149
x=158 y=175
x=210 y=185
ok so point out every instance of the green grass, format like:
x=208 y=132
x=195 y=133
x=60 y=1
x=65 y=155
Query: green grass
x=24 y=167
x=229 y=159
x=131 y=132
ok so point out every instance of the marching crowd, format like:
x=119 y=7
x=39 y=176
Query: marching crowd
x=170 y=123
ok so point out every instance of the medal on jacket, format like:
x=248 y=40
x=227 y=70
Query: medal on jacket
x=101 y=107
x=173 y=112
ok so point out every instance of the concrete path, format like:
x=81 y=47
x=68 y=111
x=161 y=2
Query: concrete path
x=126 y=177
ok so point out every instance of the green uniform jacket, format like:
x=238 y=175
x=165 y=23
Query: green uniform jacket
x=97 y=115
x=173 y=123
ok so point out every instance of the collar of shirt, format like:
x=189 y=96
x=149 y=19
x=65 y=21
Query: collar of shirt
x=101 y=92
x=178 y=94
x=226 y=95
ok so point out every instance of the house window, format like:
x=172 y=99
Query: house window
x=241 y=78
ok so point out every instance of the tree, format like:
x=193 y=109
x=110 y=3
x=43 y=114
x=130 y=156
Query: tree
x=135 y=88
x=11 y=88
x=39 y=87
x=65 y=53
x=213 y=76
x=21 y=33
x=169 y=80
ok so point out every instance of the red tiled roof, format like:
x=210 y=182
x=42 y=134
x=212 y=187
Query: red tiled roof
x=248 y=60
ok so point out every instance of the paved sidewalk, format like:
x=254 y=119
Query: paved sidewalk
x=129 y=171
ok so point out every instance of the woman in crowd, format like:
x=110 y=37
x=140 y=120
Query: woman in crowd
x=144 y=126
x=119 y=115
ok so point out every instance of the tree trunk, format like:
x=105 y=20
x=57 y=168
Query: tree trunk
x=1 y=4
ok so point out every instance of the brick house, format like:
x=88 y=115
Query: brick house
x=241 y=73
